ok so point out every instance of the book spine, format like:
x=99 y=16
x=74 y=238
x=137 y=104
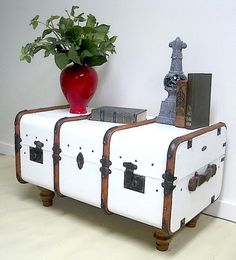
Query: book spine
x=118 y=115
x=198 y=100
x=125 y=118
x=188 y=116
x=181 y=102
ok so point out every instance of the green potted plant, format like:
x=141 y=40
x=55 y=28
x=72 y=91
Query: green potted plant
x=78 y=43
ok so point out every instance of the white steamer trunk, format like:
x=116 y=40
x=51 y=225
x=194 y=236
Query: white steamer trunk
x=157 y=174
x=147 y=147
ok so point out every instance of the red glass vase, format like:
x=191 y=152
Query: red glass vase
x=78 y=84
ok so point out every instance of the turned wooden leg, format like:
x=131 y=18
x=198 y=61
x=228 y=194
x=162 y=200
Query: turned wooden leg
x=163 y=240
x=46 y=196
x=193 y=222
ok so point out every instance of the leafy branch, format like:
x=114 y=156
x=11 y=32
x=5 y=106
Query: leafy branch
x=75 y=38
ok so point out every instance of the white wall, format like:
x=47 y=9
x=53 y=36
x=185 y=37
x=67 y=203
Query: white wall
x=134 y=76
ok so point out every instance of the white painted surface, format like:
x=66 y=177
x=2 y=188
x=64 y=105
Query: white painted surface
x=187 y=204
x=84 y=137
x=134 y=76
x=147 y=148
x=144 y=207
x=189 y=160
x=39 y=127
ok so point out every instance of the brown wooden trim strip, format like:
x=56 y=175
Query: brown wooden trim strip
x=170 y=166
x=18 y=137
x=57 y=150
x=106 y=158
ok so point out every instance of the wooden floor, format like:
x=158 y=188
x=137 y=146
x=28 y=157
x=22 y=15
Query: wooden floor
x=71 y=230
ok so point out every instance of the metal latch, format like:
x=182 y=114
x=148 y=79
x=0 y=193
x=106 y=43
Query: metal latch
x=36 y=153
x=133 y=181
x=168 y=182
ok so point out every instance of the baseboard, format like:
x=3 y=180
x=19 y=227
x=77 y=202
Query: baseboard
x=222 y=209
x=7 y=149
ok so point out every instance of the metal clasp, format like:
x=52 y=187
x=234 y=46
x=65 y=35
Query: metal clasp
x=168 y=183
x=133 y=181
x=36 y=153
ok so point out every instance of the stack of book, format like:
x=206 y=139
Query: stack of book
x=193 y=97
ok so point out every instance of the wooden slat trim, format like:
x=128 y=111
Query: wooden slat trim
x=56 y=144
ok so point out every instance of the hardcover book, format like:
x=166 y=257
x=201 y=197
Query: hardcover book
x=118 y=114
x=181 y=102
x=198 y=100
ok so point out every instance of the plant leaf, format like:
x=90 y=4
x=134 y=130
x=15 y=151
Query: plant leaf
x=38 y=48
x=95 y=60
x=52 y=18
x=46 y=32
x=85 y=54
x=51 y=49
x=110 y=47
x=73 y=34
x=90 y=46
x=51 y=39
x=91 y=21
x=25 y=53
x=61 y=60
x=80 y=18
x=73 y=55
x=28 y=58
x=34 y=22
x=113 y=39
x=35 y=18
x=103 y=28
x=47 y=53
x=26 y=48
x=65 y=23
x=72 y=12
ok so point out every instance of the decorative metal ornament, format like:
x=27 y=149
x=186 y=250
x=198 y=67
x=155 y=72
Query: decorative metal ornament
x=167 y=113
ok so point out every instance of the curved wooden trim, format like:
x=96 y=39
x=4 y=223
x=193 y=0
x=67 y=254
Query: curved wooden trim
x=56 y=144
x=106 y=157
x=18 y=138
x=170 y=166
